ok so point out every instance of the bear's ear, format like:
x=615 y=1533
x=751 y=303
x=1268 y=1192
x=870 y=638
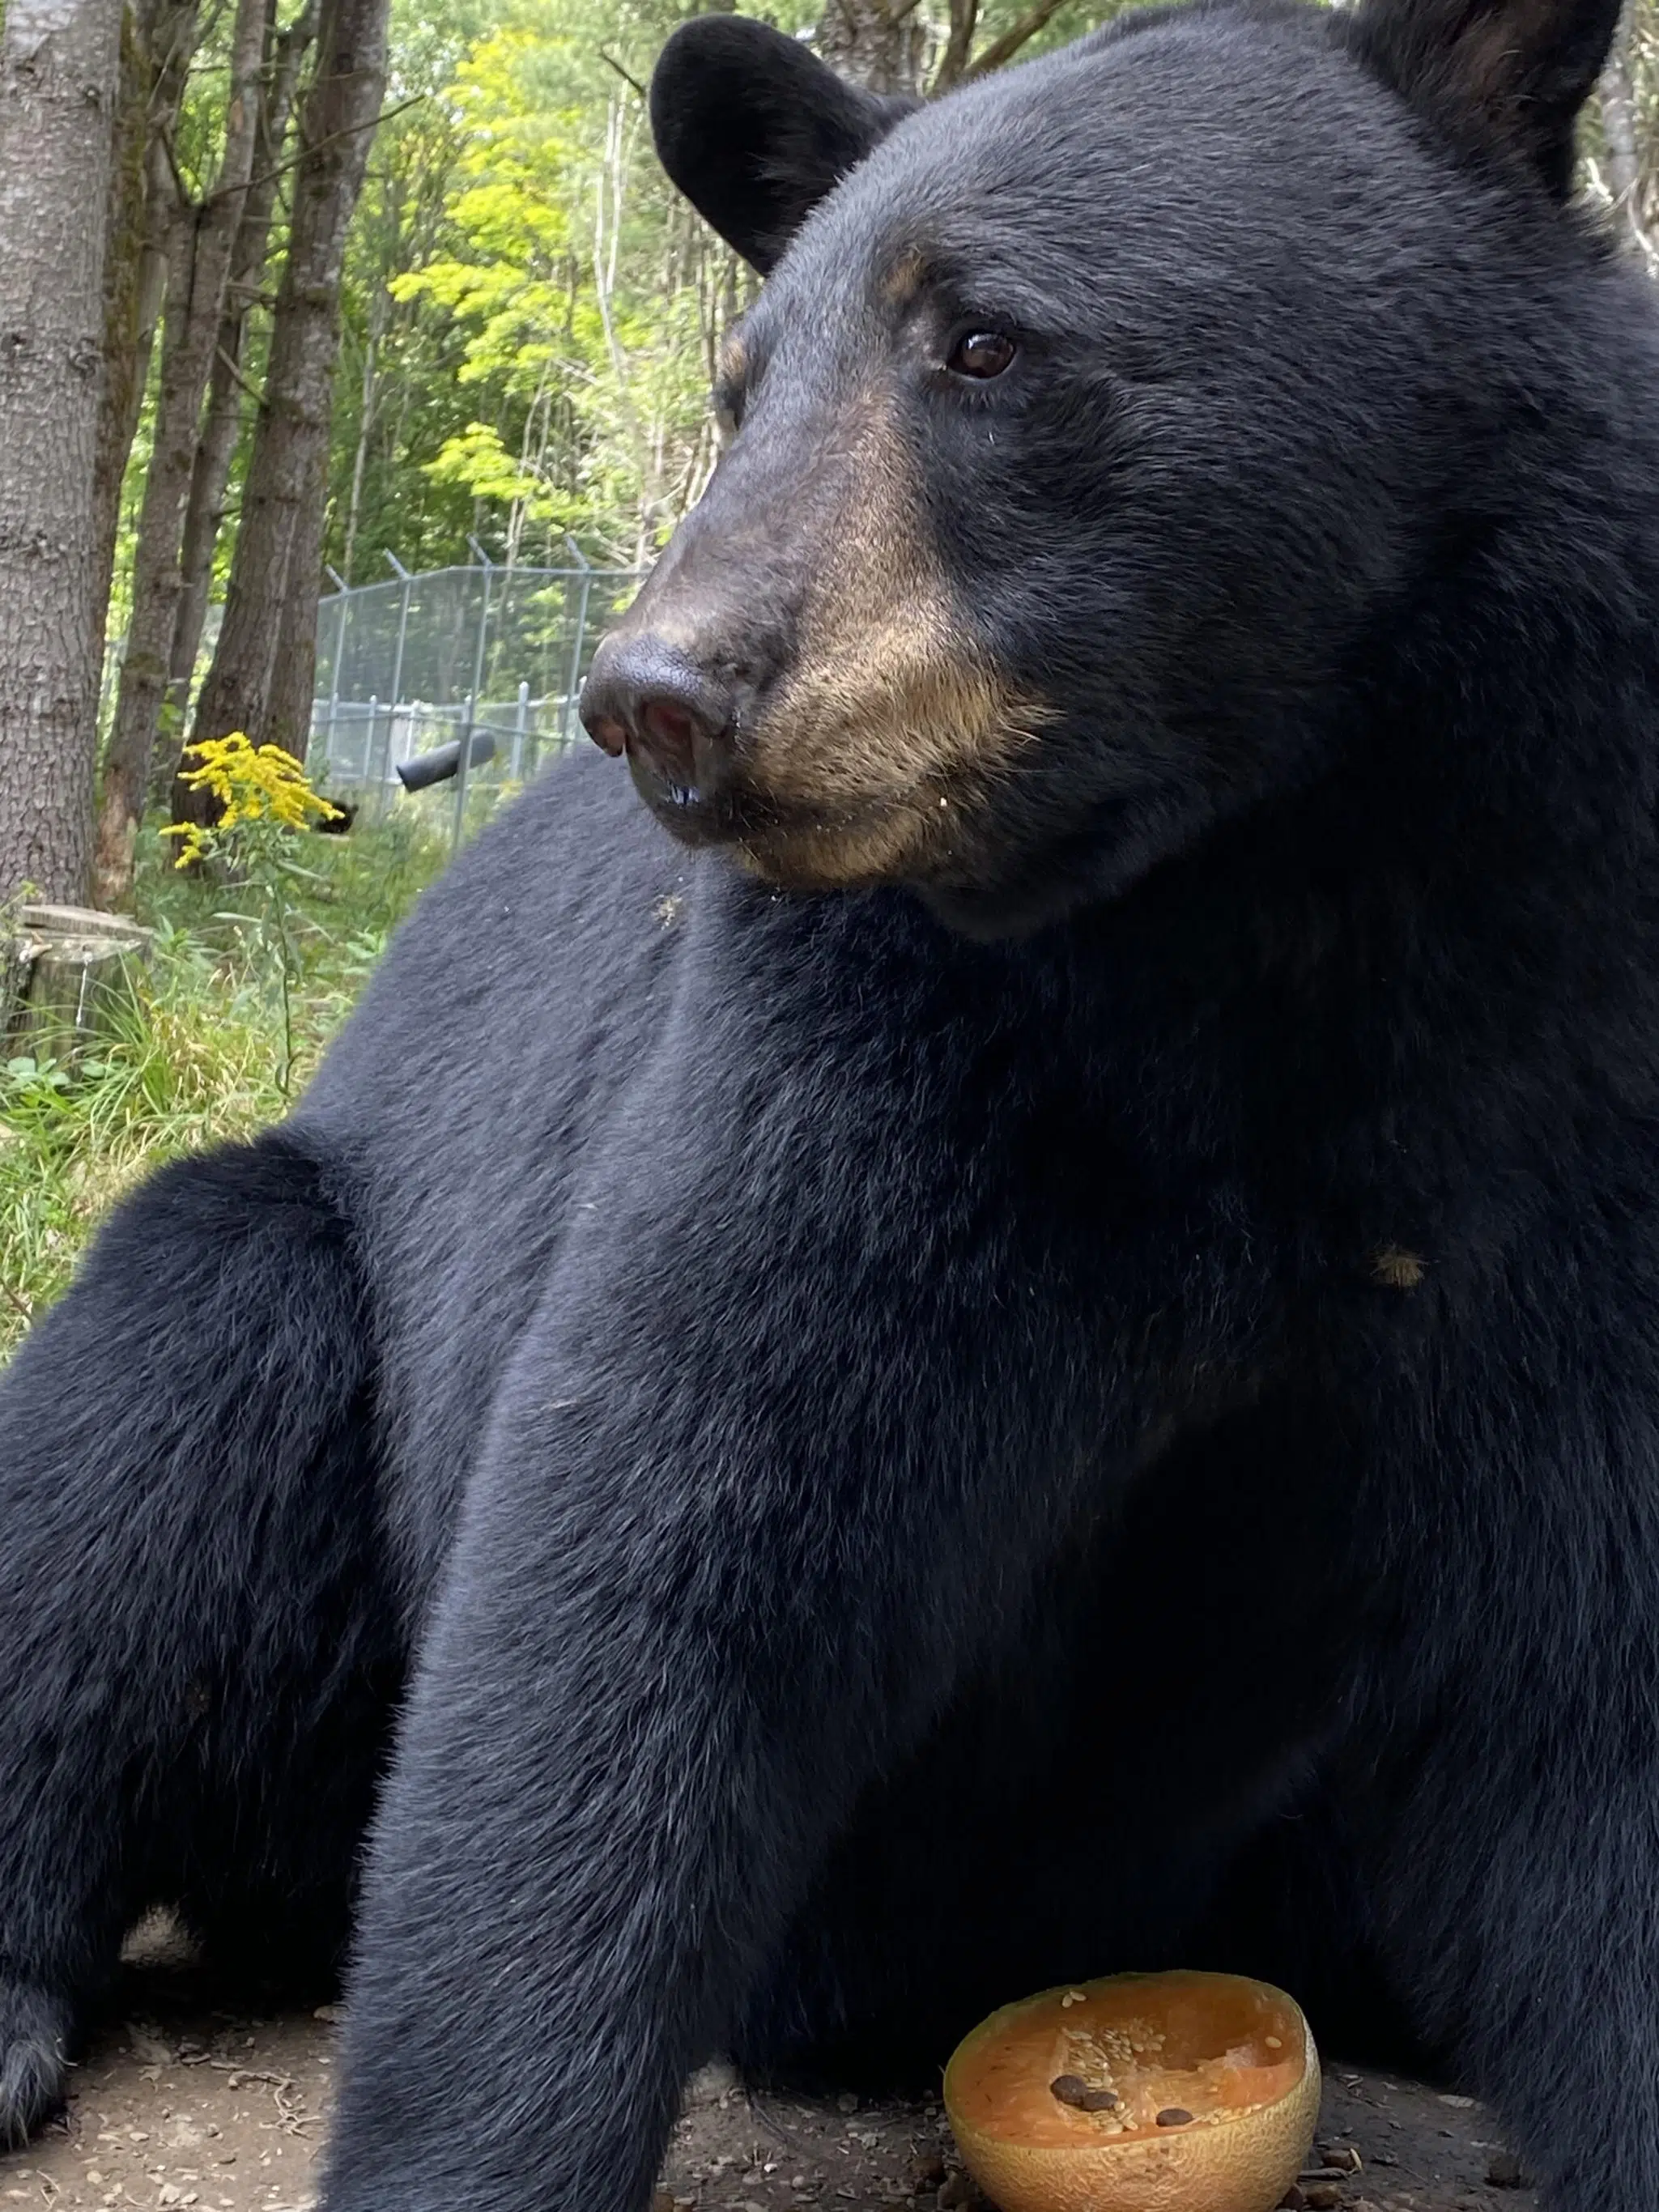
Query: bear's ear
x=755 y=130
x=1514 y=71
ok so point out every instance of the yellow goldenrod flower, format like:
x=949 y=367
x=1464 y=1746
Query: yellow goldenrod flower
x=193 y=841
x=251 y=784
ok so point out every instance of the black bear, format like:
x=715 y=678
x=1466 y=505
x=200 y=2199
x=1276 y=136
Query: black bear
x=1033 y=1345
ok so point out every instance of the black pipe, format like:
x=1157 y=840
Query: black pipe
x=427 y=768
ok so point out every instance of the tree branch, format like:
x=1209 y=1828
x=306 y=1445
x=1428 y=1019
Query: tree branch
x=1005 y=48
x=186 y=198
x=238 y=379
x=612 y=62
x=334 y=138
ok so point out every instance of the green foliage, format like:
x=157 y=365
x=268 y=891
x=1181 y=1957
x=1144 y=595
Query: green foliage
x=531 y=315
x=396 y=395
x=584 y=300
x=200 y=1059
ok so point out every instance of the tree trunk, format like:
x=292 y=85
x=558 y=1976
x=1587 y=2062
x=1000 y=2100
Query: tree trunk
x=157 y=41
x=59 y=62
x=883 y=44
x=873 y=43
x=130 y=298
x=1621 y=156
x=281 y=532
x=222 y=422
x=288 y=716
x=1618 y=119
x=368 y=402
x=959 y=46
x=199 y=256
x=67 y=979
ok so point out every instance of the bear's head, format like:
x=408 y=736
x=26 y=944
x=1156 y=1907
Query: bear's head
x=1092 y=421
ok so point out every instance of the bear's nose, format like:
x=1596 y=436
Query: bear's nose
x=649 y=699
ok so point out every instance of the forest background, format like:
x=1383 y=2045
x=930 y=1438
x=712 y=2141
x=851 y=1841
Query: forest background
x=287 y=287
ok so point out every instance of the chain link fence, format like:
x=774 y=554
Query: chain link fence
x=465 y=679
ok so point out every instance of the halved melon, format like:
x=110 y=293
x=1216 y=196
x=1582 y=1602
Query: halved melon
x=1143 y=2092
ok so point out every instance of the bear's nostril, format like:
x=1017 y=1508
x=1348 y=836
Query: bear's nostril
x=666 y=709
x=669 y=733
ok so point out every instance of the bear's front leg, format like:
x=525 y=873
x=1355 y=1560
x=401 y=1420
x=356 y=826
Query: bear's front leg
x=696 y=1601
x=1504 y=1796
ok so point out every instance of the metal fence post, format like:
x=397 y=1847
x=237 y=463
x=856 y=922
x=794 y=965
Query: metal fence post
x=516 y=770
x=463 y=765
x=574 y=677
x=408 y=583
x=340 y=586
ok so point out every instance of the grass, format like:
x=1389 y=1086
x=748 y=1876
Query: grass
x=200 y=1055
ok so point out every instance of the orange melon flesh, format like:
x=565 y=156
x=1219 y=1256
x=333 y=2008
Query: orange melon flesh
x=1229 y=2064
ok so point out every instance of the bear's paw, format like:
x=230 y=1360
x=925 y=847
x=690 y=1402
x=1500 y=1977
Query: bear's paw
x=35 y=2029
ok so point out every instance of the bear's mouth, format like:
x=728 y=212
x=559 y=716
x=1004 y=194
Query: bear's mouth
x=908 y=835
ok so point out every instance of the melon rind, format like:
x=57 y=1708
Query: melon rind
x=1242 y=2165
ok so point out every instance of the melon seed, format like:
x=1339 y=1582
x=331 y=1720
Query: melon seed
x=1071 y=2089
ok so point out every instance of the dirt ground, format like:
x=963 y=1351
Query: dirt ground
x=187 y=2104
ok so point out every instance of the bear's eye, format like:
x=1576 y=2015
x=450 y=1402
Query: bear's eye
x=728 y=414
x=982 y=355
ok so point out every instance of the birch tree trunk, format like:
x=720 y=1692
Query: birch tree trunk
x=222 y=424
x=279 y=545
x=199 y=256
x=59 y=62
x=1622 y=141
x=1618 y=99
x=882 y=44
x=367 y=406
x=878 y=43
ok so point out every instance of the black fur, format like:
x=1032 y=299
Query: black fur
x=195 y=1637
x=1508 y=78
x=1099 y=1409
x=754 y=132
